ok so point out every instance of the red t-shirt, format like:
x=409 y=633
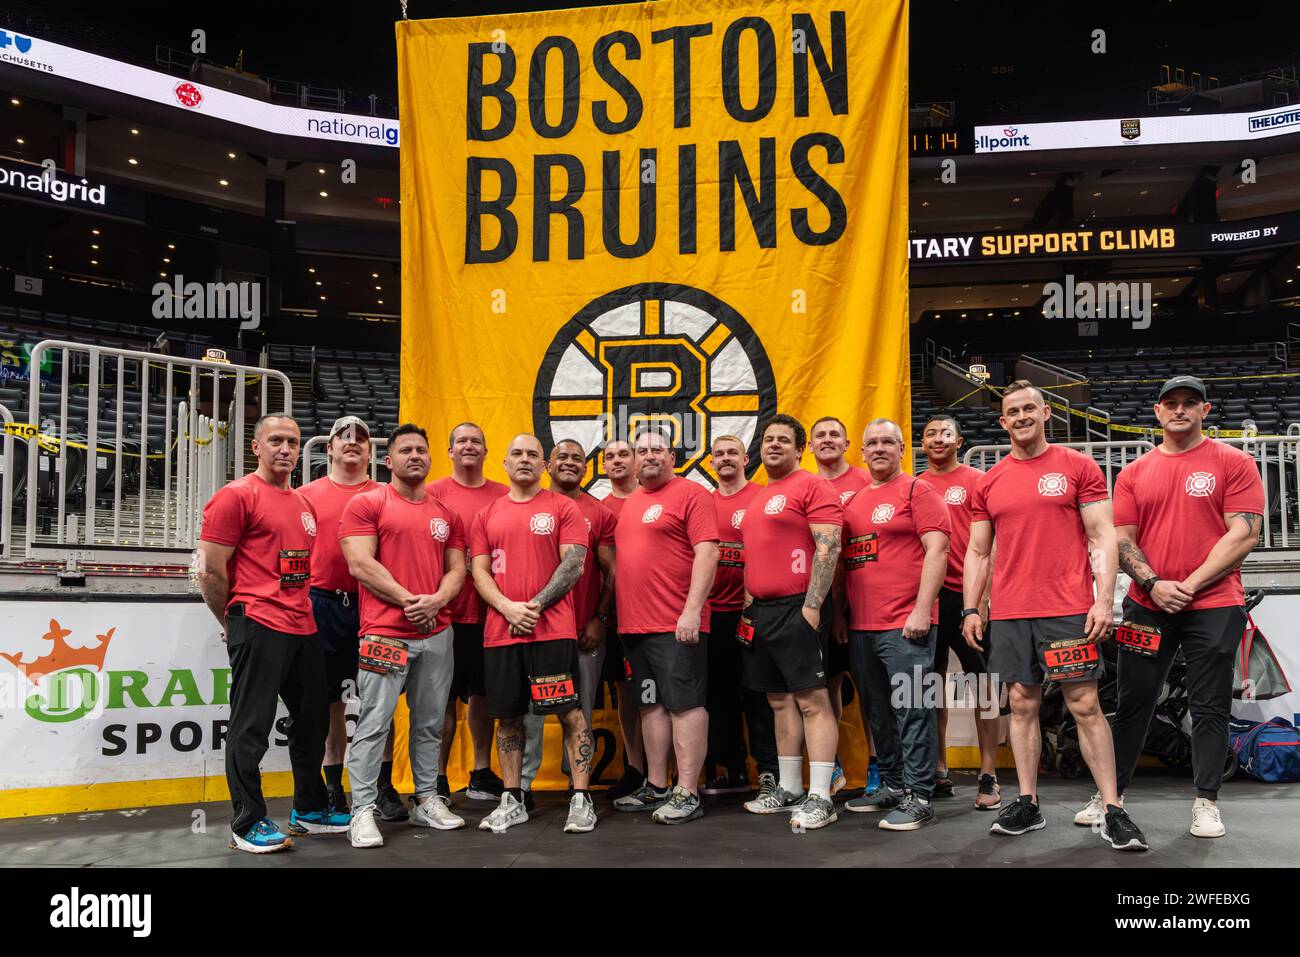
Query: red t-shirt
x=957 y=489
x=600 y=523
x=329 y=569
x=273 y=531
x=778 y=543
x=467 y=608
x=523 y=540
x=413 y=537
x=656 y=537
x=883 y=554
x=729 y=582
x=1177 y=503
x=852 y=481
x=1042 y=568
x=614 y=503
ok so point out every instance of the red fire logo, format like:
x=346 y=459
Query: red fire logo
x=188 y=95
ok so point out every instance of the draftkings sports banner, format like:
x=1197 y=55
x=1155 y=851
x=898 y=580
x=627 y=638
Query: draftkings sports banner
x=690 y=212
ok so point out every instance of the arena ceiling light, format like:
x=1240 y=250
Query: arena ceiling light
x=21 y=141
x=231 y=155
x=224 y=182
x=171 y=245
x=15 y=101
x=94 y=232
x=134 y=131
x=133 y=161
x=324 y=194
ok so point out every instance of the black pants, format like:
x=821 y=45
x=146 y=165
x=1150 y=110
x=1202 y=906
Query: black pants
x=727 y=700
x=266 y=665
x=1209 y=638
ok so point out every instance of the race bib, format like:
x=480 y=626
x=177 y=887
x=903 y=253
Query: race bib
x=731 y=554
x=383 y=656
x=1142 y=640
x=627 y=667
x=295 y=567
x=550 y=692
x=1070 y=658
x=745 y=632
x=861 y=549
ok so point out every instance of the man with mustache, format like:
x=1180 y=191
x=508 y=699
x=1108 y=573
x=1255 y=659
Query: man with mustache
x=1050 y=511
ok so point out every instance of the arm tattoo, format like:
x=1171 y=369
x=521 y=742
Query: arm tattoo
x=564 y=578
x=823 y=570
x=1083 y=505
x=1129 y=556
x=1249 y=519
x=508 y=741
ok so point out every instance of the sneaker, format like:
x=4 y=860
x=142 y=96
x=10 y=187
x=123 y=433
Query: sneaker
x=435 y=812
x=943 y=787
x=363 y=831
x=883 y=798
x=681 y=806
x=838 y=780
x=1094 y=812
x=325 y=821
x=731 y=782
x=873 y=778
x=912 y=813
x=262 y=838
x=582 y=815
x=484 y=785
x=629 y=782
x=1205 y=819
x=812 y=813
x=1019 y=817
x=988 y=797
x=389 y=806
x=644 y=798
x=1122 y=833
x=505 y=816
x=338 y=800
x=774 y=800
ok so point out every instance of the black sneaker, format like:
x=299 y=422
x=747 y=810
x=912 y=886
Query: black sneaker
x=911 y=813
x=484 y=785
x=338 y=800
x=390 y=806
x=629 y=782
x=1120 y=830
x=443 y=788
x=1019 y=817
x=944 y=788
x=731 y=782
x=988 y=797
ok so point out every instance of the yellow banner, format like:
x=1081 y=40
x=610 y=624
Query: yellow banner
x=691 y=213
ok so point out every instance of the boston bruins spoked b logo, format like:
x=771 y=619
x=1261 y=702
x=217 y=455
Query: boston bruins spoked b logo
x=654 y=354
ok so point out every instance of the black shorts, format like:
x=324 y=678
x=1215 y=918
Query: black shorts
x=950 y=620
x=786 y=654
x=509 y=671
x=615 y=666
x=1017 y=648
x=338 y=624
x=666 y=671
x=467 y=668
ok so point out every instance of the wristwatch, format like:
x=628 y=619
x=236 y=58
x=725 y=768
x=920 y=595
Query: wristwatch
x=1149 y=584
x=969 y=611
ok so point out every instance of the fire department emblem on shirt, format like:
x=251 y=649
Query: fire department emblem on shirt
x=588 y=521
x=775 y=505
x=1052 y=484
x=543 y=523
x=737 y=517
x=652 y=513
x=845 y=496
x=309 y=523
x=1199 y=484
x=955 y=495
x=439 y=529
x=882 y=513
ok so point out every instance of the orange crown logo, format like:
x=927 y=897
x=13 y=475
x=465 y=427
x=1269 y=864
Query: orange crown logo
x=62 y=655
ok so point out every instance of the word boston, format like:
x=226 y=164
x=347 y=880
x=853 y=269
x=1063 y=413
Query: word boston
x=564 y=102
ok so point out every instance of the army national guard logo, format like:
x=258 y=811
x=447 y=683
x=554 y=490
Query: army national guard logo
x=661 y=355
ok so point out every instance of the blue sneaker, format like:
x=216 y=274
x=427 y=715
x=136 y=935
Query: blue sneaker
x=873 y=778
x=325 y=821
x=262 y=838
x=837 y=778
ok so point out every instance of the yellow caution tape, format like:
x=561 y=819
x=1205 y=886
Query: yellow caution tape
x=50 y=443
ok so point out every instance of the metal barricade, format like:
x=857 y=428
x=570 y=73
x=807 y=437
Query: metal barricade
x=7 y=488
x=197 y=454
x=309 y=449
x=1110 y=456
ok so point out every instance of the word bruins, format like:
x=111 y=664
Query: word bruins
x=547 y=104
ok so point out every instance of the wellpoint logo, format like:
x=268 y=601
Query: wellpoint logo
x=59 y=190
x=1011 y=137
x=334 y=127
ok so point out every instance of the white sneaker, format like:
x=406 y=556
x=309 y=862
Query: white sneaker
x=363 y=831
x=509 y=813
x=1094 y=813
x=1205 y=819
x=582 y=815
x=434 y=811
